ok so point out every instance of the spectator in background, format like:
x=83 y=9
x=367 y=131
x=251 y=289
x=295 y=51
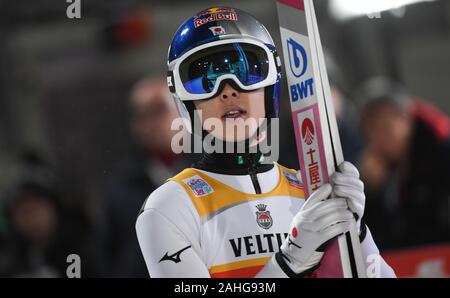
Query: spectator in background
x=405 y=166
x=41 y=231
x=152 y=112
x=32 y=250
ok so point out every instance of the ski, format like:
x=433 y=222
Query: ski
x=316 y=131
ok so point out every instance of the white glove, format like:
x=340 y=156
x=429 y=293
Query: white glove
x=346 y=184
x=319 y=220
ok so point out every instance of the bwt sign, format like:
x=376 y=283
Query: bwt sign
x=298 y=64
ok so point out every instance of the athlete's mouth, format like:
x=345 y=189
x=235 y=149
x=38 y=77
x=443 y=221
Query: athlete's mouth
x=234 y=113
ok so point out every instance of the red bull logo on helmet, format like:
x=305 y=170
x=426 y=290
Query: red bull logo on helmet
x=214 y=10
x=215 y=14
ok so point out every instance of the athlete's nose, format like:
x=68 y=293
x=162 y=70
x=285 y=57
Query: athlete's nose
x=228 y=93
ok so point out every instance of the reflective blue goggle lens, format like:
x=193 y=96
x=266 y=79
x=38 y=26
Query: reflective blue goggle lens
x=248 y=62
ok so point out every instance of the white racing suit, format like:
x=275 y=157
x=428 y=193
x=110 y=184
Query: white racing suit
x=204 y=224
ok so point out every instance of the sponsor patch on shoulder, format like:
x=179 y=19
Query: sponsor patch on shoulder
x=292 y=179
x=199 y=186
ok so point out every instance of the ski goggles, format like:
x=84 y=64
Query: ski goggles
x=198 y=74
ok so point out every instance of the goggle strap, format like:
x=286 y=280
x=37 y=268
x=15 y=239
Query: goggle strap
x=277 y=61
x=170 y=81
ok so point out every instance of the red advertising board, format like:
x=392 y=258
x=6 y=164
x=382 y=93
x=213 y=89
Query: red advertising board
x=427 y=261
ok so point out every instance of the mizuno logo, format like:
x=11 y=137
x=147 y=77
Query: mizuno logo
x=292 y=243
x=174 y=257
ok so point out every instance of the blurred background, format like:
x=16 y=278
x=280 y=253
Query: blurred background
x=85 y=125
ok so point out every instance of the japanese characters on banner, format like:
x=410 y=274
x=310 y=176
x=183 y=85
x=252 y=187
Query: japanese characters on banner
x=312 y=157
x=302 y=93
